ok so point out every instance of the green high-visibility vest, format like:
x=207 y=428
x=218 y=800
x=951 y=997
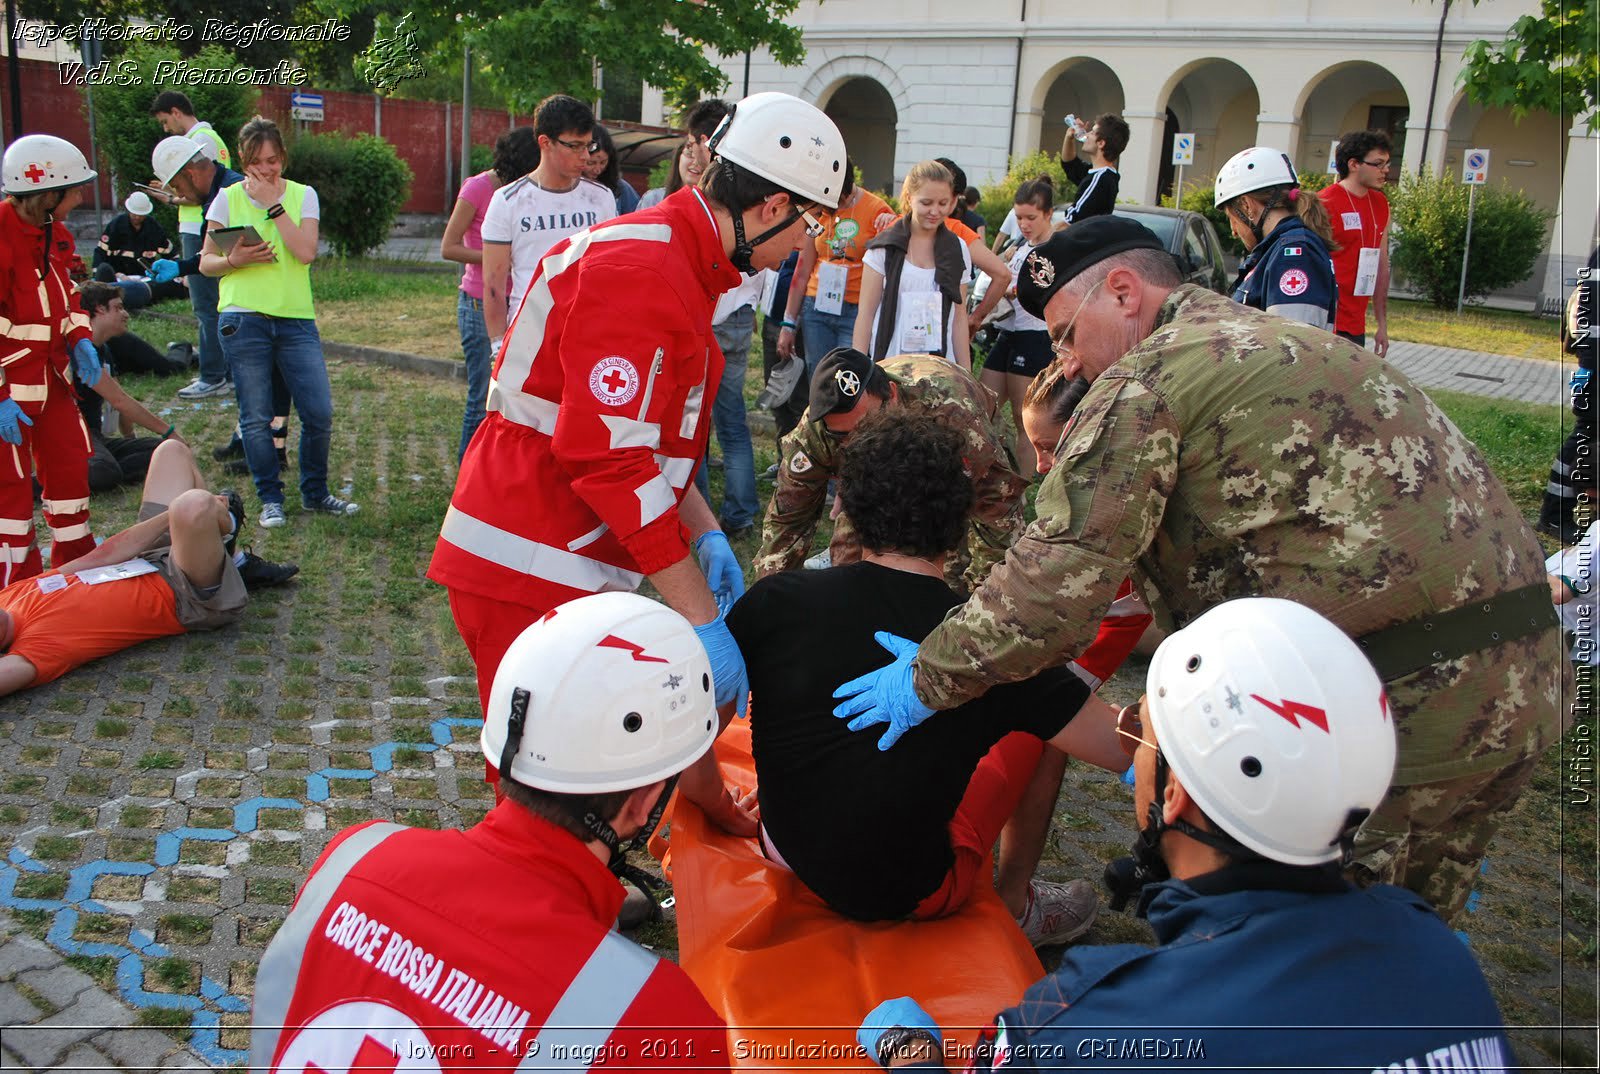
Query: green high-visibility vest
x=283 y=288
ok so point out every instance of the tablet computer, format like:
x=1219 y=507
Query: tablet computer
x=228 y=237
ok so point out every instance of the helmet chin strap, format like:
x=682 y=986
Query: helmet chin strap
x=743 y=248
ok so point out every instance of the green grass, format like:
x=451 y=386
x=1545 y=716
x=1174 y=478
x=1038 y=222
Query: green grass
x=1521 y=335
x=1517 y=439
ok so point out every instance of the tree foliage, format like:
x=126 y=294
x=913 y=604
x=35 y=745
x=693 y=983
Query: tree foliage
x=1430 y=229
x=125 y=132
x=1546 y=61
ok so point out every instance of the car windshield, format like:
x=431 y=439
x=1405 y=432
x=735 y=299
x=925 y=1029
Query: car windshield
x=1165 y=227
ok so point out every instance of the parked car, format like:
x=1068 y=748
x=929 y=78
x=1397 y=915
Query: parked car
x=1189 y=237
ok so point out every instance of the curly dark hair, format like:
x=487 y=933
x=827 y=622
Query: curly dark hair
x=516 y=153
x=904 y=483
x=1356 y=145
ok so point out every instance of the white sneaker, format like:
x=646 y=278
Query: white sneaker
x=1058 y=913
x=202 y=389
x=821 y=561
x=273 y=516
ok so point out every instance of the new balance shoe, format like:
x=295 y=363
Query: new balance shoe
x=259 y=573
x=236 y=509
x=331 y=505
x=203 y=389
x=273 y=516
x=1058 y=913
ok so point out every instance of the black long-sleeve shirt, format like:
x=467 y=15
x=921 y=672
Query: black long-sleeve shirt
x=124 y=246
x=1097 y=189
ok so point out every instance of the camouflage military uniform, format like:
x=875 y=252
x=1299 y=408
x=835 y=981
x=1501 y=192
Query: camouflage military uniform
x=811 y=459
x=1232 y=453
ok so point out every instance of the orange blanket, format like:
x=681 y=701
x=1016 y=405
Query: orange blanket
x=793 y=979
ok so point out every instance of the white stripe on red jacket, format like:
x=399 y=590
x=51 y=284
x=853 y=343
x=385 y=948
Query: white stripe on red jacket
x=598 y=413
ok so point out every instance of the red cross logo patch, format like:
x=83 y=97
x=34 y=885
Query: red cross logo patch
x=34 y=173
x=1294 y=282
x=614 y=381
x=360 y=1036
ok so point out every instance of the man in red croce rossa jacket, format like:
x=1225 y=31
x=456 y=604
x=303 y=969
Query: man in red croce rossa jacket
x=493 y=947
x=580 y=480
x=43 y=331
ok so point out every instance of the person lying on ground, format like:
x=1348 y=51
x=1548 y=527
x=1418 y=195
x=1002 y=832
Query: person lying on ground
x=173 y=571
x=939 y=810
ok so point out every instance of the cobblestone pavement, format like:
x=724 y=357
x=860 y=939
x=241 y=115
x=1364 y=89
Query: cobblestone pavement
x=1497 y=376
x=158 y=809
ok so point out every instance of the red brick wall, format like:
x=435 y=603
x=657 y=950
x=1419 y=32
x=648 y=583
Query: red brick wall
x=415 y=128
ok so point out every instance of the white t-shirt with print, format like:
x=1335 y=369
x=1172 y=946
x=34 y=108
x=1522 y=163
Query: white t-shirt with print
x=217 y=217
x=920 y=307
x=531 y=219
x=1020 y=319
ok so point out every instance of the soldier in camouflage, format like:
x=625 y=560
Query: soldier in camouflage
x=846 y=388
x=1222 y=452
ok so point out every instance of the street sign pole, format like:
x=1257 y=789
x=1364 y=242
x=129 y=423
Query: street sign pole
x=1474 y=173
x=1466 y=250
x=1182 y=154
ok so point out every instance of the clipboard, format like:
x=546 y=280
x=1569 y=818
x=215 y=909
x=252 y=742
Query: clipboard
x=227 y=238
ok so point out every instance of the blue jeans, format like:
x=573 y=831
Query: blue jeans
x=257 y=346
x=825 y=331
x=475 y=348
x=203 y=300
x=739 y=505
x=135 y=293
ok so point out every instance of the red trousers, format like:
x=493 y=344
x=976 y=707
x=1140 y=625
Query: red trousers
x=997 y=785
x=489 y=627
x=56 y=447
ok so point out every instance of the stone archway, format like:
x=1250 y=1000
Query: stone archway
x=866 y=99
x=1082 y=86
x=1218 y=102
x=1346 y=97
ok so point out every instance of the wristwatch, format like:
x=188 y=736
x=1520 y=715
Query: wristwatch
x=275 y=212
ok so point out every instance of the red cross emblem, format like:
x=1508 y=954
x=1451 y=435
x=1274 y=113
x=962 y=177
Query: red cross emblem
x=34 y=173
x=614 y=381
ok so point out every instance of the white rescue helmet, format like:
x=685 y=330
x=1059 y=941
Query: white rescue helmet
x=1249 y=170
x=614 y=692
x=139 y=204
x=35 y=163
x=786 y=140
x=172 y=154
x=1276 y=724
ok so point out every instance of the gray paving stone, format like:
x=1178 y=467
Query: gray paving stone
x=15 y=1008
x=137 y=1049
x=39 y=1046
x=21 y=953
x=93 y=1011
x=11 y=1062
x=83 y=1059
x=59 y=984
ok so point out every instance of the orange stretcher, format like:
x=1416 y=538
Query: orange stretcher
x=794 y=979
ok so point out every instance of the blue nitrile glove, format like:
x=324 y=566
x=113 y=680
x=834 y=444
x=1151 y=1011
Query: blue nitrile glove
x=888 y=695
x=10 y=414
x=721 y=568
x=86 y=362
x=1580 y=377
x=163 y=270
x=728 y=676
x=890 y=1014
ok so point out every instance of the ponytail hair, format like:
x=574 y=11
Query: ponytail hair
x=1040 y=192
x=1301 y=203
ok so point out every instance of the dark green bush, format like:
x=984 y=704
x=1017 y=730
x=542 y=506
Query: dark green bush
x=361 y=182
x=1198 y=196
x=480 y=159
x=998 y=197
x=1430 y=230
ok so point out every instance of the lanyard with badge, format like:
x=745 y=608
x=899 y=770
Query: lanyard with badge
x=1367 y=259
x=833 y=275
x=919 y=322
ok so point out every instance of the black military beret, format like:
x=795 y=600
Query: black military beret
x=1065 y=254
x=842 y=376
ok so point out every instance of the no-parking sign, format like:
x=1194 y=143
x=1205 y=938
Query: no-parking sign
x=1182 y=149
x=1475 y=167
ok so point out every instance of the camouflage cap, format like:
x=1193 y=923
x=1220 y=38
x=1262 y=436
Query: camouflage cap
x=842 y=376
x=1054 y=263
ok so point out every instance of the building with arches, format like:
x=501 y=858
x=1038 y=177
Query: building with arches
x=910 y=79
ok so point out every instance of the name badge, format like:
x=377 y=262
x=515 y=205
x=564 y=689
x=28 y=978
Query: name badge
x=116 y=572
x=1352 y=221
x=1366 y=272
x=832 y=279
